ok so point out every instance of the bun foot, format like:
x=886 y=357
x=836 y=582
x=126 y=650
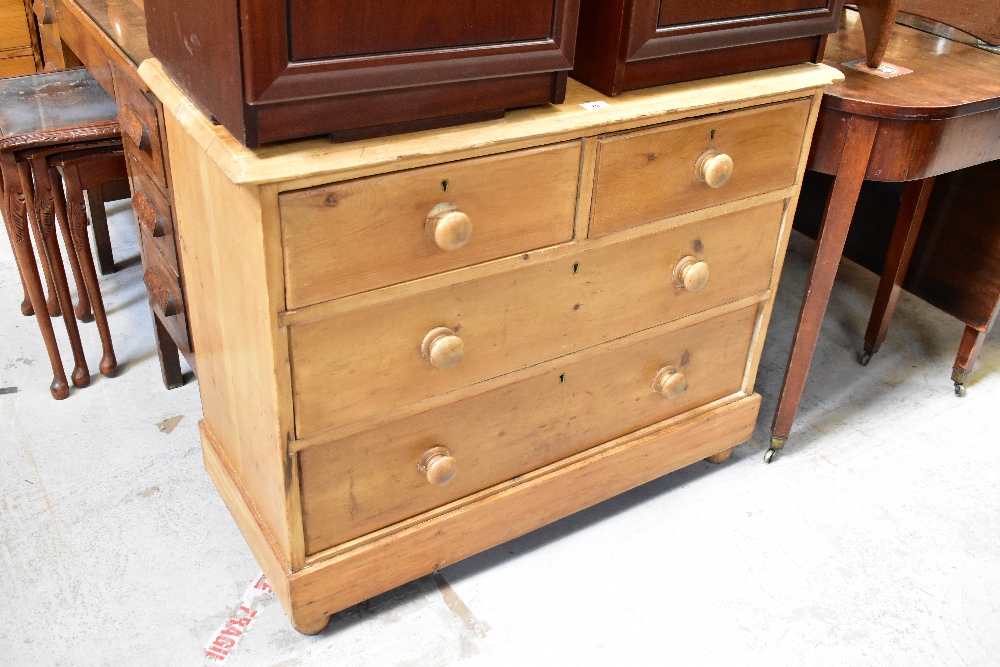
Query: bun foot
x=26 y=308
x=310 y=626
x=109 y=366
x=721 y=457
x=83 y=313
x=81 y=377
x=59 y=389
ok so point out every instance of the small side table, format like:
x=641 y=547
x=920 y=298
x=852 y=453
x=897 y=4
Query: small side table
x=942 y=117
x=59 y=116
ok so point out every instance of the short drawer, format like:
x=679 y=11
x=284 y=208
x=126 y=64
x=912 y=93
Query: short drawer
x=363 y=363
x=372 y=480
x=140 y=127
x=152 y=211
x=363 y=234
x=653 y=174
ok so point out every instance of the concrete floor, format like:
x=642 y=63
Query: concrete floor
x=874 y=538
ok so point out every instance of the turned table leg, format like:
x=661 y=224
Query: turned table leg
x=73 y=214
x=904 y=237
x=851 y=170
x=46 y=227
x=16 y=214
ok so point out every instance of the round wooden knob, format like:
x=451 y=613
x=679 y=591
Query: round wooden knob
x=714 y=168
x=691 y=274
x=670 y=382
x=448 y=227
x=442 y=348
x=439 y=466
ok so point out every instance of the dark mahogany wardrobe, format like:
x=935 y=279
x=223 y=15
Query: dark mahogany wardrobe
x=270 y=70
x=279 y=69
x=628 y=44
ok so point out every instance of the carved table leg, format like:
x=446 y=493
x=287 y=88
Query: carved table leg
x=968 y=353
x=16 y=213
x=904 y=237
x=53 y=190
x=74 y=211
x=46 y=226
x=52 y=302
x=26 y=308
x=830 y=245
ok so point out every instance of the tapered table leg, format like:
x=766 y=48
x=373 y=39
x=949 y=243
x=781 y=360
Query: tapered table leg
x=968 y=353
x=904 y=237
x=857 y=149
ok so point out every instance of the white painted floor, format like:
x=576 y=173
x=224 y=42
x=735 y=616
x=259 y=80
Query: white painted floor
x=873 y=539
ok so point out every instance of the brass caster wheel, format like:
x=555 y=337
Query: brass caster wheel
x=865 y=358
x=959 y=390
x=776 y=444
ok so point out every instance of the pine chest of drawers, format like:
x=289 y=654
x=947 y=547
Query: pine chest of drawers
x=411 y=350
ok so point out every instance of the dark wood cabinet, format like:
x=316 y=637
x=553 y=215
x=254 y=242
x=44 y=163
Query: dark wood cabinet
x=270 y=70
x=628 y=44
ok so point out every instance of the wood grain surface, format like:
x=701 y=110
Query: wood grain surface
x=363 y=363
x=359 y=235
x=650 y=174
x=363 y=483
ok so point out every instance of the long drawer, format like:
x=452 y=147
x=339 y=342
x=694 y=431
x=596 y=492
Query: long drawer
x=374 y=479
x=358 y=235
x=367 y=362
x=648 y=175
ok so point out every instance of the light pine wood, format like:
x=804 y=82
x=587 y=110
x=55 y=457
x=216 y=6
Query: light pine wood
x=438 y=465
x=17 y=66
x=541 y=498
x=359 y=484
x=240 y=502
x=670 y=382
x=691 y=274
x=651 y=174
x=362 y=234
x=764 y=318
x=312 y=162
x=498 y=318
x=234 y=301
x=553 y=253
x=451 y=408
x=409 y=410
x=721 y=457
x=713 y=168
x=442 y=348
x=14 y=33
x=448 y=227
